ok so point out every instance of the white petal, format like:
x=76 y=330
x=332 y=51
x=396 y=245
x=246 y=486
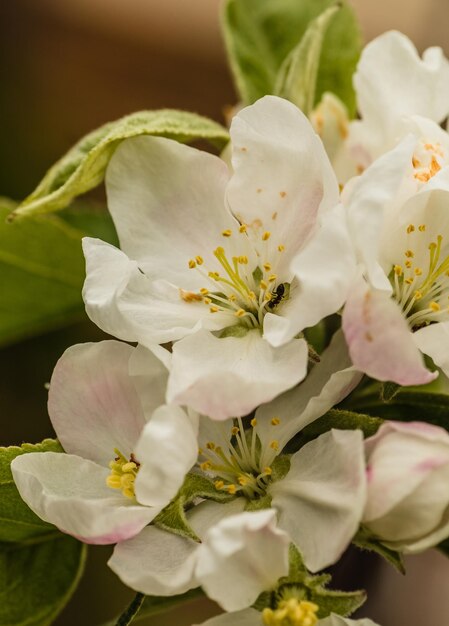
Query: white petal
x=433 y=340
x=231 y=376
x=392 y=81
x=167 y=203
x=156 y=562
x=379 y=339
x=93 y=404
x=247 y=617
x=242 y=556
x=338 y=620
x=149 y=373
x=167 y=450
x=321 y=499
x=329 y=382
x=324 y=269
x=282 y=175
x=72 y=494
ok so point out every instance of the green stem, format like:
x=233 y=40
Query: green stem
x=132 y=610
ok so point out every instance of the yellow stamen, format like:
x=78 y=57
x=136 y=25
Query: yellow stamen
x=409 y=253
x=199 y=260
x=192 y=264
x=204 y=291
x=291 y=612
x=281 y=248
x=235 y=430
x=274 y=444
x=435 y=306
x=240 y=313
x=410 y=229
x=267 y=267
x=227 y=232
x=275 y=421
x=398 y=270
x=253 y=422
x=232 y=489
x=242 y=228
x=266 y=235
x=219 y=484
x=214 y=309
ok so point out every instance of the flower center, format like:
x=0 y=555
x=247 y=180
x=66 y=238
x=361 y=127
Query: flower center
x=123 y=474
x=427 y=161
x=422 y=291
x=291 y=612
x=244 y=465
x=237 y=289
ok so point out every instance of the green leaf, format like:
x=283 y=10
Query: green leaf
x=83 y=167
x=36 y=581
x=42 y=270
x=340 y=602
x=17 y=522
x=152 y=605
x=260 y=34
x=364 y=541
x=298 y=74
x=388 y=391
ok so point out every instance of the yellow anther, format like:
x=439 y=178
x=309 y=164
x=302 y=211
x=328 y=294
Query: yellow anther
x=410 y=229
x=232 y=489
x=214 y=309
x=190 y=296
x=275 y=421
x=128 y=492
x=210 y=445
x=263 y=284
x=235 y=430
x=267 y=471
x=129 y=467
x=127 y=481
x=418 y=271
x=207 y=301
x=398 y=270
x=435 y=306
x=240 y=313
x=214 y=275
x=232 y=297
x=253 y=422
x=267 y=267
x=242 y=228
x=434 y=166
x=266 y=235
x=219 y=484
x=206 y=465
x=408 y=264
x=422 y=228
x=114 y=481
x=192 y=264
x=416 y=162
x=272 y=278
x=242 y=480
x=409 y=254
x=252 y=295
x=292 y=612
x=204 y=291
x=417 y=295
x=227 y=232
x=409 y=281
x=199 y=260
x=281 y=248
x=274 y=444
x=243 y=260
x=268 y=296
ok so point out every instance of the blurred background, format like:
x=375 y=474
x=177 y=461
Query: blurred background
x=68 y=67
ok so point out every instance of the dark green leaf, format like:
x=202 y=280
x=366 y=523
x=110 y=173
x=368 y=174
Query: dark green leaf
x=340 y=602
x=364 y=541
x=83 y=167
x=388 y=391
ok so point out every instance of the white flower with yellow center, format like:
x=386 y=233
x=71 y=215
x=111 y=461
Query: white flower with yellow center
x=229 y=266
x=399 y=307
x=392 y=84
x=318 y=493
x=101 y=491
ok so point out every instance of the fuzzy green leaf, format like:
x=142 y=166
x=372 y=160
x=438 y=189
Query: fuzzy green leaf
x=36 y=581
x=83 y=167
x=364 y=541
x=42 y=269
x=17 y=522
x=261 y=34
x=340 y=602
x=298 y=75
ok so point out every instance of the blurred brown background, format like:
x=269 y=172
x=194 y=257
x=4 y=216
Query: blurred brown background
x=67 y=66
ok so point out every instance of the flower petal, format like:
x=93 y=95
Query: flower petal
x=338 y=620
x=242 y=556
x=282 y=175
x=247 y=617
x=167 y=203
x=166 y=450
x=72 y=494
x=231 y=376
x=156 y=562
x=149 y=373
x=433 y=340
x=93 y=404
x=379 y=339
x=321 y=500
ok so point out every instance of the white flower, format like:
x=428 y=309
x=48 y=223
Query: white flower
x=392 y=84
x=251 y=617
x=230 y=267
x=398 y=308
x=100 y=491
x=318 y=496
x=408 y=472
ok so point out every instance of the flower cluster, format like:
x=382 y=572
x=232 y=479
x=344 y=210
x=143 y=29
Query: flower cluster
x=257 y=294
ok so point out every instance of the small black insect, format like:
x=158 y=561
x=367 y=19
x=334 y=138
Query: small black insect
x=281 y=293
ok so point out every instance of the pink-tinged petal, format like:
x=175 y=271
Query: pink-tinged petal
x=72 y=494
x=321 y=500
x=156 y=562
x=324 y=271
x=149 y=373
x=167 y=203
x=282 y=176
x=329 y=382
x=231 y=376
x=166 y=450
x=379 y=339
x=93 y=404
x=242 y=556
x=433 y=340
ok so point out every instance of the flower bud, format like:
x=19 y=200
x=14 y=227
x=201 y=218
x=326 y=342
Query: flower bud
x=408 y=475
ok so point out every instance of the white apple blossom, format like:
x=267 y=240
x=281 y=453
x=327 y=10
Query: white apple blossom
x=407 y=494
x=229 y=266
x=291 y=613
x=392 y=84
x=100 y=491
x=398 y=307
